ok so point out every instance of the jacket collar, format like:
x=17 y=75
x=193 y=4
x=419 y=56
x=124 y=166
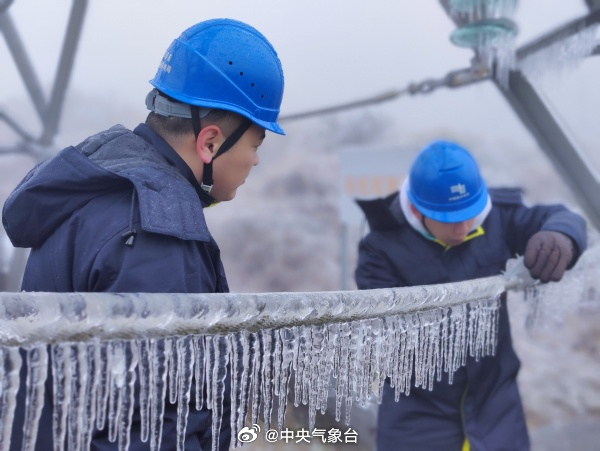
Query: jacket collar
x=169 y=203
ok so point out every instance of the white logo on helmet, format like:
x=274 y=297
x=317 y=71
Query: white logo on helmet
x=164 y=64
x=460 y=191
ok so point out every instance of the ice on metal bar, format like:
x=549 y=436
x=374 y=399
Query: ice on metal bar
x=561 y=56
x=182 y=348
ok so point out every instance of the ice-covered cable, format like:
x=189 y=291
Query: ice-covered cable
x=183 y=347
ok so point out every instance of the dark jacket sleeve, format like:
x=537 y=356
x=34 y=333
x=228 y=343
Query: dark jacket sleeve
x=373 y=269
x=523 y=222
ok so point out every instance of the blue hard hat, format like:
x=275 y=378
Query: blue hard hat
x=224 y=64
x=445 y=184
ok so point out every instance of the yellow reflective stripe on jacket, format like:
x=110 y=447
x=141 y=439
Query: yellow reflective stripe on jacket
x=474 y=234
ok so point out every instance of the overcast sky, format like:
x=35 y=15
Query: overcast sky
x=332 y=51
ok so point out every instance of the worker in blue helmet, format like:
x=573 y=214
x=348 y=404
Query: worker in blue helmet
x=123 y=210
x=444 y=225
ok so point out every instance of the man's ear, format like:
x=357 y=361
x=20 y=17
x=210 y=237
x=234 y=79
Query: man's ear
x=416 y=212
x=209 y=140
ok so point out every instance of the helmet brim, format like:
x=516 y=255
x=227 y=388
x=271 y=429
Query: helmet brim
x=454 y=215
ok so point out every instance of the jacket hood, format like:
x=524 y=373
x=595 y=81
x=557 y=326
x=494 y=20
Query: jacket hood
x=112 y=160
x=383 y=213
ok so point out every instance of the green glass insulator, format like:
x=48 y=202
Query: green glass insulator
x=484 y=33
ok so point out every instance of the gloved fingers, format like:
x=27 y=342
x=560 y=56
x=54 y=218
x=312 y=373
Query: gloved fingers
x=537 y=258
x=547 y=255
x=547 y=264
x=560 y=269
x=531 y=257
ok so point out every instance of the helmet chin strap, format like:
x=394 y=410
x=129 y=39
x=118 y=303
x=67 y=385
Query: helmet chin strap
x=207 y=174
x=425 y=225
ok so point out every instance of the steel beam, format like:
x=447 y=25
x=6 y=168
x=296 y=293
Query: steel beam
x=65 y=68
x=23 y=63
x=569 y=162
x=546 y=128
x=49 y=111
x=559 y=34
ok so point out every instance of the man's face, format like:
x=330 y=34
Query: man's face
x=450 y=233
x=231 y=169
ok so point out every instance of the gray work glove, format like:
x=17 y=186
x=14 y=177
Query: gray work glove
x=547 y=255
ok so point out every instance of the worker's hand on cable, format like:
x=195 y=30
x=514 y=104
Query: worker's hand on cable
x=547 y=255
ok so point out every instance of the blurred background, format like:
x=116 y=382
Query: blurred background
x=292 y=226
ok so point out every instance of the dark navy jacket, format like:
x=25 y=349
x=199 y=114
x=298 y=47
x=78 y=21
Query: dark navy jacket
x=120 y=212
x=483 y=402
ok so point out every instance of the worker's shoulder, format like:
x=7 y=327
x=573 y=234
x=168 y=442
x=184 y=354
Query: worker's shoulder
x=510 y=196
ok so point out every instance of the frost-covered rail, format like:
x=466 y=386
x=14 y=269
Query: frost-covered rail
x=31 y=318
x=107 y=351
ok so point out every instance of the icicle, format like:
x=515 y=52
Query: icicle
x=219 y=373
x=331 y=334
x=363 y=356
x=199 y=370
x=342 y=367
x=173 y=369
x=289 y=351
x=127 y=396
x=431 y=337
x=101 y=362
x=319 y=380
x=419 y=343
x=122 y=364
x=353 y=362
x=267 y=376
x=76 y=404
x=410 y=356
x=10 y=366
x=394 y=360
x=116 y=368
x=301 y=384
x=459 y=322
x=37 y=371
x=389 y=355
x=236 y=368
x=186 y=360
x=61 y=378
x=402 y=371
x=209 y=365
x=445 y=340
x=277 y=360
x=145 y=376
x=159 y=352
x=257 y=375
x=379 y=355
x=244 y=380
x=314 y=385
x=91 y=393
x=239 y=366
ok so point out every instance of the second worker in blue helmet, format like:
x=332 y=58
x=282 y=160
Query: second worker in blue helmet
x=444 y=225
x=123 y=210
